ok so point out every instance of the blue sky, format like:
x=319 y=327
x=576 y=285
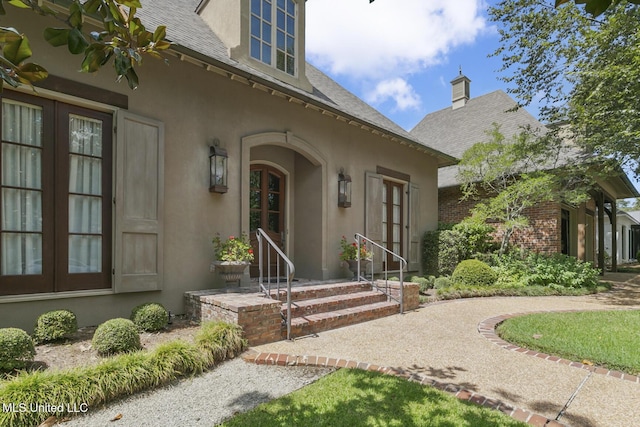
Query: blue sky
x=400 y=55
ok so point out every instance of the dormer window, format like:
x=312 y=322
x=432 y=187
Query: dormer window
x=271 y=24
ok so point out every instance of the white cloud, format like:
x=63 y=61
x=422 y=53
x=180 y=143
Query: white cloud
x=388 y=39
x=396 y=89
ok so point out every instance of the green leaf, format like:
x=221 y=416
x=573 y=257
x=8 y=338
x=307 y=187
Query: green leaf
x=8 y=34
x=75 y=15
x=91 y=6
x=77 y=43
x=94 y=58
x=144 y=38
x=17 y=51
x=596 y=7
x=159 y=34
x=18 y=3
x=31 y=73
x=132 y=78
x=130 y=3
x=57 y=36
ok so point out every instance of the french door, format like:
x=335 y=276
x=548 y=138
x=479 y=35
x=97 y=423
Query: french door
x=392 y=223
x=267 y=202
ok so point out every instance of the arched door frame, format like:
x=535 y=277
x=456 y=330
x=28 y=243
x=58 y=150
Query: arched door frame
x=292 y=142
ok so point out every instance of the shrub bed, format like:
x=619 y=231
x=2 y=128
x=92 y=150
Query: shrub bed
x=117 y=376
x=472 y=272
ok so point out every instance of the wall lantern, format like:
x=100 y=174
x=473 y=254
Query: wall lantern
x=344 y=190
x=218 y=167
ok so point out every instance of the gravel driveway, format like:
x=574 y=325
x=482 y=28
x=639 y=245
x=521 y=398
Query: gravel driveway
x=206 y=400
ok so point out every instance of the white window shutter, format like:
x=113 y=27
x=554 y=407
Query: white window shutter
x=414 y=228
x=139 y=200
x=373 y=214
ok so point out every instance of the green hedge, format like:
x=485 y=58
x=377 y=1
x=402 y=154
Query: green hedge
x=443 y=249
x=55 y=325
x=117 y=376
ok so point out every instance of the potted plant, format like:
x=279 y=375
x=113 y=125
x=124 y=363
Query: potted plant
x=233 y=256
x=350 y=255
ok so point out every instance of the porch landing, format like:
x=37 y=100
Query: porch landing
x=315 y=307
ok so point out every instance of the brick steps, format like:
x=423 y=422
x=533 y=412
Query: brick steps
x=321 y=291
x=320 y=308
x=314 y=323
x=334 y=302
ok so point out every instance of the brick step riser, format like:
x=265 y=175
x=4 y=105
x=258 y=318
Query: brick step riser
x=312 y=292
x=309 y=328
x=338 y=304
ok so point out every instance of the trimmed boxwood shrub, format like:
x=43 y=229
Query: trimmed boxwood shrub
x=55 y=325
x=116 y=336
x=150 y=317
x=442 y=282
x=472 y=272
x=16 y=348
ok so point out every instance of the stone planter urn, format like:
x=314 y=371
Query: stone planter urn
x=231 y=271
x=353 y=266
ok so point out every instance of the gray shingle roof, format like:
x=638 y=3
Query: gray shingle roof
x=455 y=131
x=190 y=34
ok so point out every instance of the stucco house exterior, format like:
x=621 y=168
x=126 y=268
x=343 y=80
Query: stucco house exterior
x=553 y=227
x=106 y=200
x=626 y=224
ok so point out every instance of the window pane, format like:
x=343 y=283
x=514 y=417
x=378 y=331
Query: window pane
x=291 y=7
x=280 y=60
x=396 y=195
x=274 y=182
x=254 y=220
x=280 y=40
x=85 y=136
x=266 y=33
x=280 y=21
x=396 y=214
x=274 y=222
x=21 y=166
x=255 y=179
x=290 y=65
x=266 y=54
x=255 y=199
x=255 y=26
x=291 y=28
x=290 y=45
x=21 y=210
x=274 y=202
x=85 y=175
x=266 y=11
x=255 y=7
x=21 y=123
x=281 y=4
x=255 y=48
x=21 y=254
x=85 y=214
x=85 y=254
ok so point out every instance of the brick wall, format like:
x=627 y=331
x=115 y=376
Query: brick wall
x=542 y=234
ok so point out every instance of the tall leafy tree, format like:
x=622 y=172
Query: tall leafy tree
x=121 y=37
x=509 y=176
x=582 y=70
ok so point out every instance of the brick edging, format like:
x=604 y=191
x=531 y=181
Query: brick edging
x=487 y=328
x=280 y=359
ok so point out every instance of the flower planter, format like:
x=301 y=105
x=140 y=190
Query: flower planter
x=353 y=266
x=231 y=271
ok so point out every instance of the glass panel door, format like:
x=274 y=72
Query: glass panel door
x=22 y=194
x=392 y=222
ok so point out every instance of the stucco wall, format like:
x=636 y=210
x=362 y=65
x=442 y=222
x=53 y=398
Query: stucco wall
x=196 y=106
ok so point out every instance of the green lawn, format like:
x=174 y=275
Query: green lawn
x=604 y=338
x=352 y=397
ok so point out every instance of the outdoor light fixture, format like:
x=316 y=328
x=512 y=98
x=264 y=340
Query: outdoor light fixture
x=344 y=190
x=218 y=167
